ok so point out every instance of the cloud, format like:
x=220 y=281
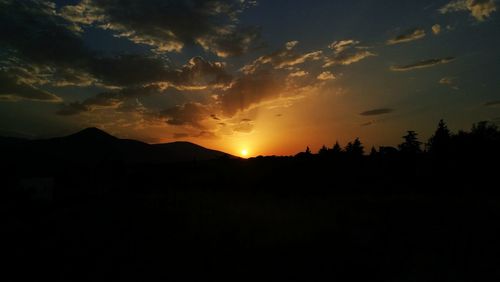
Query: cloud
x=411 y=35
x=479 y=9
x=180 y=135
x=492 y=103
x=345 y=59
x=13 y=90
x=423 y=64
x=300 y=73
x=249 y=90
x=168 y=26
x=245 y=126
x=326 y=75
x=436 y=29
x=107 y=100
x=446 y=80
x=60 y=58
x=33 y=30
x=191 y=114
x=283 y=58
x=346 y=52
x=377 y=112
x=342 y=45
x=449 y=81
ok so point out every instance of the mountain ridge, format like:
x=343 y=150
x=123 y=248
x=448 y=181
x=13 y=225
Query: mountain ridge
x=93 y=145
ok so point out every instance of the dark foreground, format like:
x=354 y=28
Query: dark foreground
x=286 y=219
x=338 y=216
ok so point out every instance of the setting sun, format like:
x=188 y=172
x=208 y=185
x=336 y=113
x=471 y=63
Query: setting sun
x=244 y=152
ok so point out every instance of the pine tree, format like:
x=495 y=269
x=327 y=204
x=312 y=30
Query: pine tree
x=411 y=145
x=336 y=150
x=439 y=142
x=355 y=148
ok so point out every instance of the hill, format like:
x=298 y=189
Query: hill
x=93 y=146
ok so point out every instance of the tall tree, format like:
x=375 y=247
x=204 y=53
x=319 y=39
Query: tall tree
x=411 y=145
x=439 y=142
x=355 y=148
x=336 y=148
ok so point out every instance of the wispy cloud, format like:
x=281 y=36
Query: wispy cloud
x=283 y=58
x=492 y=103
x=409 y=36
x=377 y=112
x=346 y=52
x=13 y=90
x=449 y=81
x=423 y=64
x=342 y=45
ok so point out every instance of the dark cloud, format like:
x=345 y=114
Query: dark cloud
x=14 y=90
x=423 y=64
x=129 y=70
x=409 y=36
x=199 y=72
x=169 y=25
x=492 y=103
x=41 y=48
x=249 y=90
x=188 y=114
x=377 y=112
x=34 y=31
x=109 y=99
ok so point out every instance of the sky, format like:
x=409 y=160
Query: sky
x=270 y=77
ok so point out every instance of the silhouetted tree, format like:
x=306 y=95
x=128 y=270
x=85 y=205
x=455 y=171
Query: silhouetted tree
x=411 y=145
x=336 y=150
x=373 y=152
x=323 y=151
x=355 y=148
x=485 y=130
x=308 y=151
x=439 y=143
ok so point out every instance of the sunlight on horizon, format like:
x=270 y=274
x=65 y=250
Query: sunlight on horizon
x=244 y=153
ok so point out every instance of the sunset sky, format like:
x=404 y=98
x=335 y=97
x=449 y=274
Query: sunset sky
x=269 y=76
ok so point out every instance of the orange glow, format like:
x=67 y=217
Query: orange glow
x=244 y=153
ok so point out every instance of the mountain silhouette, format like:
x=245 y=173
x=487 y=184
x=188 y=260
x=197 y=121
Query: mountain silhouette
x=92 y=146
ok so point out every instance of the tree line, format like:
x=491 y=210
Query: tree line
x=482 y=139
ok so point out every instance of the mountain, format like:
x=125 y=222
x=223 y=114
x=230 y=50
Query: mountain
x=93 y=146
